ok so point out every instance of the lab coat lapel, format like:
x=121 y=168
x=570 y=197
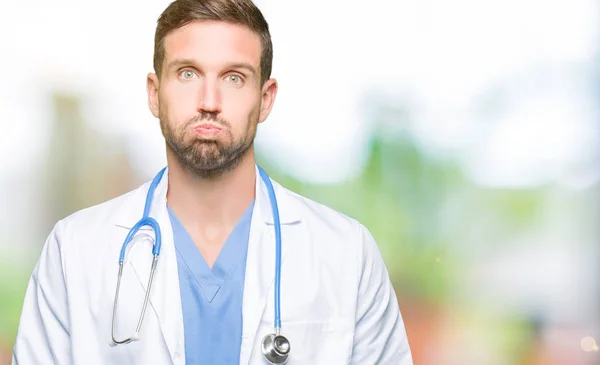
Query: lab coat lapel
x=260 y=270
x=165 y=298
x=260 y=263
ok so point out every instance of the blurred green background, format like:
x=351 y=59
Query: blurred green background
x=468 y=147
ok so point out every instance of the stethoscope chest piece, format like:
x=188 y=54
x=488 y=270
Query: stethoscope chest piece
x=276 y=349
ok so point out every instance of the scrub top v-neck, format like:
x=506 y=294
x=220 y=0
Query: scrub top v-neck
x=211 y=299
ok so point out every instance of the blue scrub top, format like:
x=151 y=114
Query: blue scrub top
x=212 y=299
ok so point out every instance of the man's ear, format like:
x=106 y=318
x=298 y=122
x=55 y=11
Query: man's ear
x=152 y=88
x=269 y=92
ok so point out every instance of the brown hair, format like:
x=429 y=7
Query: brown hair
x=240 y=12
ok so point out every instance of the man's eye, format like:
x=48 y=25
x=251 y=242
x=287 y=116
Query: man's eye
x=187 y=74
x=234 y=79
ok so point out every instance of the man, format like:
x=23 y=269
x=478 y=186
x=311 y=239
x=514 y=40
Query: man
x=212 y=296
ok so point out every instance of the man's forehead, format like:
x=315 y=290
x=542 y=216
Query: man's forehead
x=208 y=41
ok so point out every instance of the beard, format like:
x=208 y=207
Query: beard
x=208 y=158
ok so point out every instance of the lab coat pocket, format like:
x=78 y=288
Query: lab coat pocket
x=319 y=342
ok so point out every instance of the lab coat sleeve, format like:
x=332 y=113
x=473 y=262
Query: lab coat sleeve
x=379 y=336
x=43 y=334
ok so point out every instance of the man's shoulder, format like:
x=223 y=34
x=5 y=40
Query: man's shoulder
x=322 y=216
x=103 y=211
x=344 y=242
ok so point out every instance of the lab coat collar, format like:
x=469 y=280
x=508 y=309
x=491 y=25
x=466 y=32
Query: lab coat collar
x=260 y=267
x=287 y=213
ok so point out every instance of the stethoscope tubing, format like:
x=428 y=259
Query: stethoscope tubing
x=149 y=221
x=277 y=224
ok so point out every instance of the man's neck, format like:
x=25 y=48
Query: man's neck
x=209 y=209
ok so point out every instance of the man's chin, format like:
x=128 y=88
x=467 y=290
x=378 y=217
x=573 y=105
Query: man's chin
x=209 y=169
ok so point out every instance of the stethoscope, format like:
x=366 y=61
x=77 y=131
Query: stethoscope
x=275 y=347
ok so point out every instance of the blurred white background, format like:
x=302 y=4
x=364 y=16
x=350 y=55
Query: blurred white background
x=507 y=90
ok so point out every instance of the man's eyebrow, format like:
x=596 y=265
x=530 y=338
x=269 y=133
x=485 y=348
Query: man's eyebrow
x=180 y=62
x=242 y=65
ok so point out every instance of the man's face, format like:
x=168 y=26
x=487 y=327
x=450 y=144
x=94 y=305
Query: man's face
x=209 y=98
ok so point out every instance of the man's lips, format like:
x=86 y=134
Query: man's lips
x=207 y=128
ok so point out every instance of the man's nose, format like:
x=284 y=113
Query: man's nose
x=209 y=99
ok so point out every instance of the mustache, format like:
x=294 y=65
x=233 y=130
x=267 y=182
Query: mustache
x=204 y=116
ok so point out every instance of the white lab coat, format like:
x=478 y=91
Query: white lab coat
x=337 y=302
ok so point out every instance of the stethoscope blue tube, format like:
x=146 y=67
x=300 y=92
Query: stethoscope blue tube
x=146 y=221
x=277 y=224
x=275 y=347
